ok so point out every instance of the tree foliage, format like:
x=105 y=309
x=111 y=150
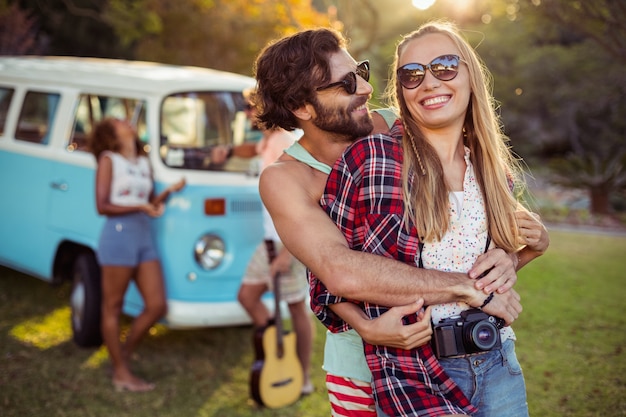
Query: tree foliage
x=574 y=94
x=601 y=20
x=220 y=34
x=18 y=31
x=559 y=81
x=75 y=28
x=557 y=64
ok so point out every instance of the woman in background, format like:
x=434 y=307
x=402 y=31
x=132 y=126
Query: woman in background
x=126 y=250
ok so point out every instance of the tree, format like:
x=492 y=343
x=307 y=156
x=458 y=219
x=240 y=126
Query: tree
x=579 y=52
x=598 y=165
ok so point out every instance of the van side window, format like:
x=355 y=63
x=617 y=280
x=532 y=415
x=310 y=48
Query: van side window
x=6 y=94
x=37 y=117
x=92 y=108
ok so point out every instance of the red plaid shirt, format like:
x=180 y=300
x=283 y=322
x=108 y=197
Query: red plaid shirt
x=363 y=196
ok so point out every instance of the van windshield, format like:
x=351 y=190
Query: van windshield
x=199 y=130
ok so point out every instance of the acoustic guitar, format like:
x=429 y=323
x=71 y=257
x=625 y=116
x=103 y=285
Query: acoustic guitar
x=276 y=378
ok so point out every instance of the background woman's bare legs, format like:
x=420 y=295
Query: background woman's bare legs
x=115 y=280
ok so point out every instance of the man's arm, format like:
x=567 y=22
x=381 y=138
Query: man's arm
x=291 y=191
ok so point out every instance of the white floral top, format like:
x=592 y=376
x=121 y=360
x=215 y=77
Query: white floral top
x=463 y=243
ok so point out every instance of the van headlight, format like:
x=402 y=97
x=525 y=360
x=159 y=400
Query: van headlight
x=209 y=251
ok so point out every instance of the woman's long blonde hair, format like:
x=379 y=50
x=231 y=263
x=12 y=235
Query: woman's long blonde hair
x=424 y=188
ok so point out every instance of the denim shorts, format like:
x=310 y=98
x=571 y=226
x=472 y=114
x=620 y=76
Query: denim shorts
x=126 y=241
x=492 y=381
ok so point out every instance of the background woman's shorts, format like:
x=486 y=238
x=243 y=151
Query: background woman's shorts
x=293 y=285
x=126 y=241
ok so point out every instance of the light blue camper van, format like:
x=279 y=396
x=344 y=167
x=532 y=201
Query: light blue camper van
x=49 y=226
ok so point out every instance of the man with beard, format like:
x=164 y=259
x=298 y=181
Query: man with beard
x=309 y=81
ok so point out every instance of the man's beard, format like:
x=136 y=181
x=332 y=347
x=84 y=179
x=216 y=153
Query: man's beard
x=339 y=121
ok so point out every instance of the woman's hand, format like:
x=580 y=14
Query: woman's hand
x=389 y=329
x=533 y=236
x=153 y=210
x=532 y=232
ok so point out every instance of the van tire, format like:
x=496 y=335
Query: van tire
x=85 y=301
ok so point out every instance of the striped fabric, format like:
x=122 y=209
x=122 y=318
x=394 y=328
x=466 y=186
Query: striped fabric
x=350 y=397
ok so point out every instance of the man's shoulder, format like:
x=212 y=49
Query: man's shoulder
x=287 y=169
x=288 y=179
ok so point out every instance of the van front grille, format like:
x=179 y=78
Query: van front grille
x=245 y=206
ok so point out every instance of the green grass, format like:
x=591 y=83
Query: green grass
x=570 y=343
x=572 y=333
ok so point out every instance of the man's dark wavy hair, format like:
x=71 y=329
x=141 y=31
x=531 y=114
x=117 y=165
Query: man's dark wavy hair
x=288 y=71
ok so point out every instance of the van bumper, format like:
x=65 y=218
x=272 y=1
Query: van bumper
x=182 y=314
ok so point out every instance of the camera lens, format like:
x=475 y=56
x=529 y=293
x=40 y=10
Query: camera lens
x=482 y=336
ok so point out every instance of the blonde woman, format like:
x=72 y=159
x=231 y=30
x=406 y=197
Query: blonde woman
x=438 y=193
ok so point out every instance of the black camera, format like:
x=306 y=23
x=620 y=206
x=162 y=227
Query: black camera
x=471 y=332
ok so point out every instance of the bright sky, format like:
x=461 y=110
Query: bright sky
x=423 y=4
x=460 y=7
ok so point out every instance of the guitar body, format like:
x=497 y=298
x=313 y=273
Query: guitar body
x=276 y=381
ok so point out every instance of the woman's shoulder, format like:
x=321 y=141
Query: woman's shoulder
x=110 y=155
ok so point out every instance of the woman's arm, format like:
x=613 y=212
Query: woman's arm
x=389 y=329
x=159 y=199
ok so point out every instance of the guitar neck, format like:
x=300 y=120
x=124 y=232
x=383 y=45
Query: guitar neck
x=271 y=255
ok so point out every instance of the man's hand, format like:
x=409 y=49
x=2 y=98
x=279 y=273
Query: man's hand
x=499 y=270
x=282 y=263
x=389 y=330
x=219 y=154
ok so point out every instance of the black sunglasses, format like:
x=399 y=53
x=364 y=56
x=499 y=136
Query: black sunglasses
x=349 y=81
x=444 y=68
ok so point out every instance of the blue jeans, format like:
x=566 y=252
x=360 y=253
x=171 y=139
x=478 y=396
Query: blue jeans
x=492 y=381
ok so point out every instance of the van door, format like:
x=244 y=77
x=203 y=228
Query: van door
x=24 y=185
x=72 y=215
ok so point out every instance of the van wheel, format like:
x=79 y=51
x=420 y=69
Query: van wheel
x=85 y=301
